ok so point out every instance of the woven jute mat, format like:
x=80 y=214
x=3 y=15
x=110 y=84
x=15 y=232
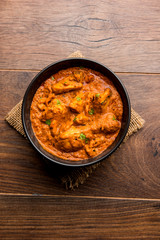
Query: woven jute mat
x=71 y=178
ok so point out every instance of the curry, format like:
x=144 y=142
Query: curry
x=76 y=114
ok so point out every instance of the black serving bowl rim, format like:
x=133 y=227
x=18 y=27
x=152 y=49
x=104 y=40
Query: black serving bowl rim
x=66 y=163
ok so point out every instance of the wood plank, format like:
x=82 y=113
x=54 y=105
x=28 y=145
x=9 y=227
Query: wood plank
x=118 y=33
x=132 y=171
x=77 y=218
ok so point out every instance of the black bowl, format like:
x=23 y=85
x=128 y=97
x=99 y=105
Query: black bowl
x=54 y=68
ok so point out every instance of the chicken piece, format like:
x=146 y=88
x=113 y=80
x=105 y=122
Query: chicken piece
x=55 y=128
x=96 y=126
x=116 y=107
x=77 y=104
x=64 y=145
x=104 y=97
x=110 y=124
x=74 y=138
x=92 y=148
x=69 y=145
x=81 y=119
x=55 y=109
x=92 y=152
x=101 y=100
x=67 y=123
x=89 y=104
x=69 y=140
x=79 y=76
x=67 y=84
x=71 y=77
x=107 y=123
x=90 y=78
x=98 y=140
x=82 y=132
x=70 y=133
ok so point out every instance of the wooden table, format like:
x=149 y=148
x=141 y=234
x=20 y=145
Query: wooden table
x=121 y=200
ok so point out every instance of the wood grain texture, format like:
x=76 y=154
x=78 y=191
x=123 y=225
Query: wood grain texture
x=124 y=35
x=32 y=217
x=132 y=171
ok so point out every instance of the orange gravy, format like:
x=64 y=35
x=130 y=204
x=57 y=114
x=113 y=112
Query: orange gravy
x=76 y=114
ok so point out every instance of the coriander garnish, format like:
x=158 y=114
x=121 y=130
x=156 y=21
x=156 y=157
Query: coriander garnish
x=97 y=95
x=114 y=118
x=52 y=78
x=58 y=102
x=74 y=119
x=78 y=99
x=48 y=122
x=91 y=112
x=83 y=137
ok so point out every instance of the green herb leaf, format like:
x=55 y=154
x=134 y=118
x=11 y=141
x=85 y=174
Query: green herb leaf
x=114 y=118
x=97 y=95
x=74 y=119
x=40 y=97
x=48 y=122
x=82 y=136
x=78 y=99
x=58 y=102
x=65 y=82
x=52 y=78
x=91 y=112
x=81 y=67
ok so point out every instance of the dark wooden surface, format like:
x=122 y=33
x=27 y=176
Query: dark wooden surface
x=121 y=200
x=123 y=34
x=64 y=217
